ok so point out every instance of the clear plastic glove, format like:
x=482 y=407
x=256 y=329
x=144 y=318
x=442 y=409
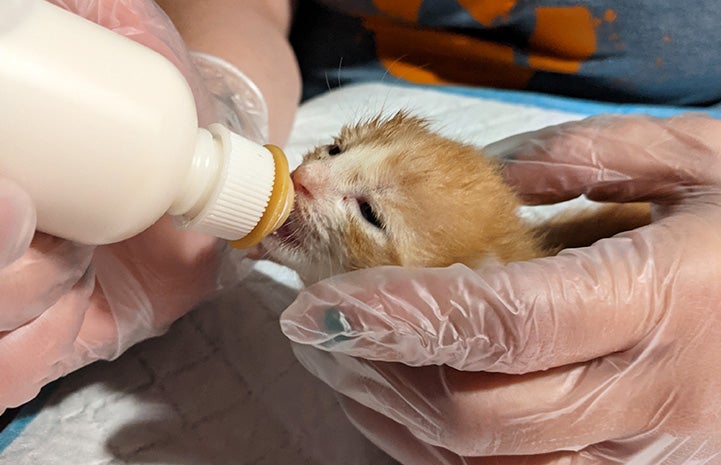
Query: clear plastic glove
x=605 y=354
x=63 y=305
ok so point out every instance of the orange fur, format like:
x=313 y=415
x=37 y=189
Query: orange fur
x=582 y=228
x=451 y=205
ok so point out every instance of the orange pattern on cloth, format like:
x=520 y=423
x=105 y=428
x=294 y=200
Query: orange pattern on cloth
x=563 y=38
x=486 y=12
x=406 y=10
x=433 y=57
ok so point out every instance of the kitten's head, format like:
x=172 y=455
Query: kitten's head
x=392 y=192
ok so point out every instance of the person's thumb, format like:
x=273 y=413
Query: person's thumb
x=613 y=158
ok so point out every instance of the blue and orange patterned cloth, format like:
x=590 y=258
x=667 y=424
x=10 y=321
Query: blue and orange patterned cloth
x=641 y=51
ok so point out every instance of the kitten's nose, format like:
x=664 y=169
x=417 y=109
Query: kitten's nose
x=299 y=187
x=308 y=180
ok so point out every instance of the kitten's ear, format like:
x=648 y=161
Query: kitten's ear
x=406 y=118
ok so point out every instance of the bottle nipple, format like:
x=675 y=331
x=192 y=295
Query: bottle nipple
x=279 y=205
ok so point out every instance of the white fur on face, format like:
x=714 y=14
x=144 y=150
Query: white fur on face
x=313 y=239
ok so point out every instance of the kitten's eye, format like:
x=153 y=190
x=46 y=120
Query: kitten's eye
x=369 y=215
x=334 y=150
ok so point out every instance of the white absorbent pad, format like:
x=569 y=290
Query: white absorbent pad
x=222 y=386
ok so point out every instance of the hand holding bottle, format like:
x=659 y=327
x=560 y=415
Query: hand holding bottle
x=63 y=305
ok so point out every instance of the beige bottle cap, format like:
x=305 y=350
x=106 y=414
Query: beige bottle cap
x=279 y=205
x=253 y=194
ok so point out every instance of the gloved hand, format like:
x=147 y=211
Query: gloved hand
x=63 y=305
x=605 y=354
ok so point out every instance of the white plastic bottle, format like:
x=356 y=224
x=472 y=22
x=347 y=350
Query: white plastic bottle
x=102 y=133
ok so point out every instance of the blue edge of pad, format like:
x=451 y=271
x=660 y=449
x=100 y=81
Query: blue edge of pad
x=572 y=105
x=24 y=416
x=543 y=101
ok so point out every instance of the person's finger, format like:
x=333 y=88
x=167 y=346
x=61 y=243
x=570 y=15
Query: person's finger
x=475 y=415
x=395 y=440
x=17 y=221
x=36 y=353
x=649 y=157
x=522 y=317
x=31 y=284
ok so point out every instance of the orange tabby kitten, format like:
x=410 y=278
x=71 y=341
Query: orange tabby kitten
x=393 y=192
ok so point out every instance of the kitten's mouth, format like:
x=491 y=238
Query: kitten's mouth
x=287 y=235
